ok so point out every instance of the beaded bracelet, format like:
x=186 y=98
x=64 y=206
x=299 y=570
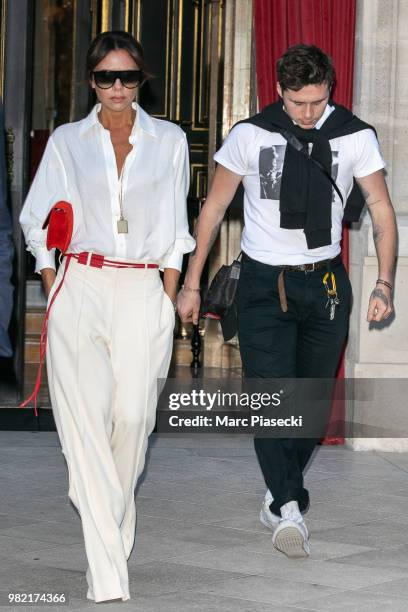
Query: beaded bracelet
x=384 y=282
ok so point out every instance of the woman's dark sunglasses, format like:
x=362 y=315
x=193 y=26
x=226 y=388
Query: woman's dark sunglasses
x=106 y=78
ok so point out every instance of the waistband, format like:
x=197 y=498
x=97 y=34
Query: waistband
x=306 y=268
x=95 y=260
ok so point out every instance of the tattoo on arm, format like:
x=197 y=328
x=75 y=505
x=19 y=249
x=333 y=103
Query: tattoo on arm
x=378 y=232
x=211 y=241
x=366 y=195
x=379 y=293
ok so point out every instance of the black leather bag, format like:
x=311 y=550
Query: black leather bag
x=219 y=303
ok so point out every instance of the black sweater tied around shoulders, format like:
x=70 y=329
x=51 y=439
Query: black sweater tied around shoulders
x=306 y=193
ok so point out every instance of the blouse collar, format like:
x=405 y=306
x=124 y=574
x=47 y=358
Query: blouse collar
x=143 y=121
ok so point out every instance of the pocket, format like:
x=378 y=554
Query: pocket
x=52 y=290
x=169 y=306
x=344 y=284
x=259 y=282
x=56 y=282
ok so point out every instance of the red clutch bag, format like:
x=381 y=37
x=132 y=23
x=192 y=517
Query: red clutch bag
x=60 y=223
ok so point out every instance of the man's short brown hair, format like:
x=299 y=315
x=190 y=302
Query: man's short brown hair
x=304 y=65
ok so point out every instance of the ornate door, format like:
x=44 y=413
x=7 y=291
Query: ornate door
x=48 y=86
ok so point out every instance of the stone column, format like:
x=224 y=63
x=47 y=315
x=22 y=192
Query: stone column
x=237 y=100
x=380 y=98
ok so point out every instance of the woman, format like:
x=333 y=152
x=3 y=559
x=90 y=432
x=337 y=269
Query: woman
x=110 y=329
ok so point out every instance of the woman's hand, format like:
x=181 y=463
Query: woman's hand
x=48 y=276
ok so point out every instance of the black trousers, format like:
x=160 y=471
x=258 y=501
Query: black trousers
x=300 y=343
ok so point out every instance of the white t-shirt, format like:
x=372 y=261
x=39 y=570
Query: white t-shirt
x=258 y=156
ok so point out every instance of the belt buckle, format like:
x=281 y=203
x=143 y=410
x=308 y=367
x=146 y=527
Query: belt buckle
x=312 y=269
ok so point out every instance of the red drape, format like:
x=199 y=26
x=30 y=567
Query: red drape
x=329 y=24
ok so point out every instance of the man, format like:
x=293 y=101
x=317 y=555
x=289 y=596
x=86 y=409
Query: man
x=297 y=160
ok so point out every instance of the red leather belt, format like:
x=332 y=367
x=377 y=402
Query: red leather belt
x=100 y=261
x=88 y=259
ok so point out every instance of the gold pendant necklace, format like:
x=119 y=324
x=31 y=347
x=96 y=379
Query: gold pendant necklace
x=122 y=226
x=122 y=222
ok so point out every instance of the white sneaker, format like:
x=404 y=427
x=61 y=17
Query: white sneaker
x=268 y=518
x=292 y=538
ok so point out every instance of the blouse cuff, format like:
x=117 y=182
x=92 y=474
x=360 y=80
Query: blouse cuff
x=44 y=259
x=174 y=257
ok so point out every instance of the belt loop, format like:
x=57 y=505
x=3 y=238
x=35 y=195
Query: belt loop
x=88 y=259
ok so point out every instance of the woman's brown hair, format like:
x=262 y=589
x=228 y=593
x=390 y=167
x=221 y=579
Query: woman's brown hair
x=112 y=41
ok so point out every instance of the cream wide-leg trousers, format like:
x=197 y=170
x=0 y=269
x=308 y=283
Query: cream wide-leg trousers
x=110 y=336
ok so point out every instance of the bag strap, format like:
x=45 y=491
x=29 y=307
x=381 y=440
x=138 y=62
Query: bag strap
x=296 y=144
x=43 y=343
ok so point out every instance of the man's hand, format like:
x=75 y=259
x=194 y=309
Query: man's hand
x=382 y=215
x=380 y=306
x=222 y=191
x=188 y=306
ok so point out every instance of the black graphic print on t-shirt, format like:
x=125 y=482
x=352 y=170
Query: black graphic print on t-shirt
x=270 y=170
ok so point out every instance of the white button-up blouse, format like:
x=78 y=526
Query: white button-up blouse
x=79 y=166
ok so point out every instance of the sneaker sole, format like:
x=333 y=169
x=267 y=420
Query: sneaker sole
x=290 y=542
